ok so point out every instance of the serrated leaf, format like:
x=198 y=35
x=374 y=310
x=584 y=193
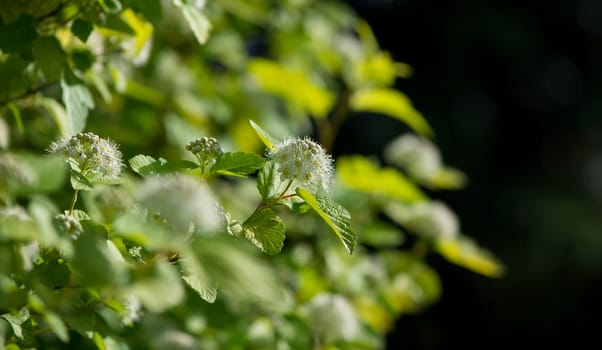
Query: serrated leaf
x=238 y=164
x=148 y=166
x=359 y=173
x=266 y=230
x=392 y=103
x=334 y=215
x=78 y=101
x=266 y=138
x=199 y=24
x=464 y=252
x=49 y=56
x=268 y=181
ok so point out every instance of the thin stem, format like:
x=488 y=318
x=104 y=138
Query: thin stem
x=73 y=202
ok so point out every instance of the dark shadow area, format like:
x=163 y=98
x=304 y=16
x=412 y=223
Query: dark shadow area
x=513 y=91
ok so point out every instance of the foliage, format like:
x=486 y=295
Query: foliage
x=207 y=240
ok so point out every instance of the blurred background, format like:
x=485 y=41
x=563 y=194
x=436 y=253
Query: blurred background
x=513 y=91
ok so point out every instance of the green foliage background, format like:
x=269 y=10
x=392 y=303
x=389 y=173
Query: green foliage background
x=154 y=75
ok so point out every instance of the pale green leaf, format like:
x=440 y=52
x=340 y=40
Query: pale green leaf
x=334 y=215
x=148 y=166
x=266 y=138
x=80 y=182
x=160 y=288
x=268 y=181
x=78 y=101
x=359 y=173
x=238 y=164
x=292 y=85
x=266 y=230
x=464 y=252
x=197 y=21
x=16 y=320
x=392 y=103
x=57 y=325
x=448 y=179
x=197 y=278
x=58 y=113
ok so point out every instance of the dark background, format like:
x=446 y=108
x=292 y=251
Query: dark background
x=513 y=90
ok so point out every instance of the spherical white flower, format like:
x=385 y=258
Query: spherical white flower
x=304 y=162
x=95 y=158
x=70 y=224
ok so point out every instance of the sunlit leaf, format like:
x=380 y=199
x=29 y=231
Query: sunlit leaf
x=359 y=173
x=78 y=101
x=159 y=288
x=292 y=85
x=392 y=103
x=266 y=230
x=334 y=215
x=197 y=21
x=464 y=252
x=148 y=166
x=266 y=138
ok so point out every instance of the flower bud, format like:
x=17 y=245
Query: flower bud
x=207 y=150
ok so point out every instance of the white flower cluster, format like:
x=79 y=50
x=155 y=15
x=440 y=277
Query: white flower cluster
x=304 y=161
x=206 y=149
x=417 y=155
x=90 y=155
x=181 y=201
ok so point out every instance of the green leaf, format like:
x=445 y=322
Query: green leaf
x=78 y=101
x=49 y=56
x=148 y=166
x=16 y=320
x=159 y=287
x=298 y=89
x=268 y=181
x=151 y=9
x=465 y=252
x=266 y=230
x=334 y=215
x=382 y=235
x=17 y=36
x=110 y=6
x=17 y=115
x=196 y=20
x=96 y=259
x=197 y=278
x=359 y=173
x=82 y=29
x=238 y=164
x=392 y=103
x=266 y=138
x=83 y=59
x=136 y=228
x=80 y=182
x=58 y=326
